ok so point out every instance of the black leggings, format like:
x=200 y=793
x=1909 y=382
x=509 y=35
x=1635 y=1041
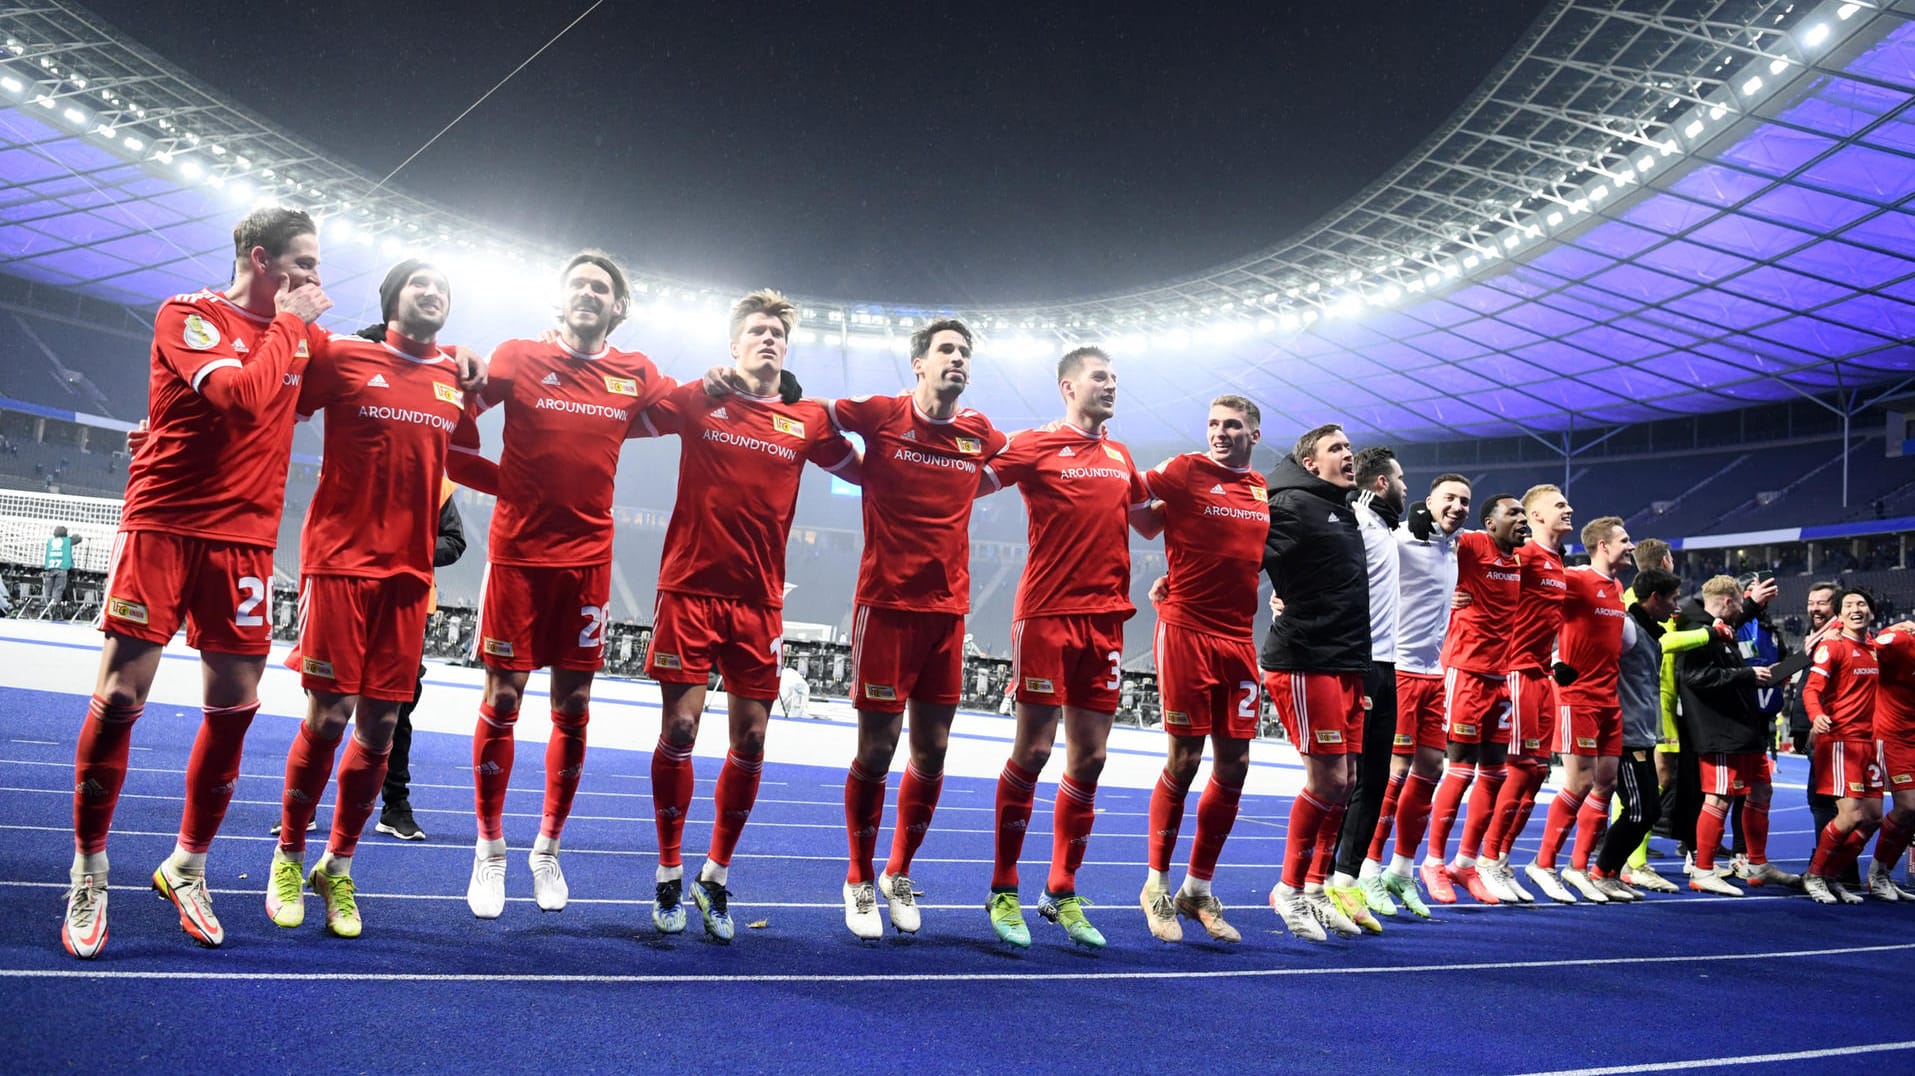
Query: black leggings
x=1640 y=804
x=1372 y=770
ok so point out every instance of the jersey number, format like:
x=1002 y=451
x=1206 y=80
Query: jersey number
x=243 y=614
x=590 y=635
x=1116 y=671
x=1247 y=706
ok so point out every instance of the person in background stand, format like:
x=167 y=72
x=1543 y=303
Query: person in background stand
x=395 y=814
x=59 y=561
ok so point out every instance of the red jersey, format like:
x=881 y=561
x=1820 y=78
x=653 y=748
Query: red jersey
x=203 y=473
x=389 y=419
x=738 y=473
x=1078 y=491
x=567 y=414
x=1895 y=693
x=1479 y=635
x=1842 y=685
x=1216 y=520
x=1539 y=607
x=920 y=476
x=1591 y=639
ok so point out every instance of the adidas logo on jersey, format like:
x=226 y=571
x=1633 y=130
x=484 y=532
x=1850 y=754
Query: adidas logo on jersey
x=1333 y=517
x=1066 y=451
x=910 y=435
x=719 y=412
x=378 y=382
x=549 y=379
x=1218 y=488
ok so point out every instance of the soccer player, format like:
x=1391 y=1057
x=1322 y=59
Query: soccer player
x=1214 y=512
x=1532 y=689
x=1840 y=698
x=924 y=452
x=1067 y=633
x=1314 y=659
x=365 y=556
x=195 y=544
x=570 y=402
x=1895 y=739
x=1426 y=552
x=1476 y=721
x=721 y=588
x=1729 y=734
x=1589 y=718
x=1381 y=497
x=1639 y=693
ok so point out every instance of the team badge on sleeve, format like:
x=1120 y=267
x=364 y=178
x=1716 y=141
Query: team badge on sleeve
x=1822 y=655
x=443 y=391
x=199 y=334
x=303 y=351
x=788 y=425
x=623 y=386
x=1259 y=494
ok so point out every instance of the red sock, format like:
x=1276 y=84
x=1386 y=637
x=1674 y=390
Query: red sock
x=1071 y=821
x=1709 y=827
x=917 y=802
x=1166 y=818
x=212 y=772
x=99 y=771
x=1413 y=813
x=671 y=798
x=564 y=762
x=1216 y=814
x=1449 y=797
x=1755 y=831
x=732 y=801
x=1530 y=782
x=863 y=811
x=1826 y=844
x=1502 y=819
x=1894 y=840
x=1482 y=808
x=308 y=768
x=1851 y=850
x=492 y=748
x=1591 y=820
x=1016 y=792
x=1562 y=816
x=1325 y=851
x=361 y=773
x=1299 y=846
x=1386 y=818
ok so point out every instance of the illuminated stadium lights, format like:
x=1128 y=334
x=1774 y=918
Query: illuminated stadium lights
x=191 y=169
x=11 y=84
x=1753 y=84
x=1778 y=65
x=1847 y=10
x=1693 y=129
x=1816 y=35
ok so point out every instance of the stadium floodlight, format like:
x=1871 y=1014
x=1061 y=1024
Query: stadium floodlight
x=1645 y=163
x=1778 y=65
x=191 y=170
x=43 y=101
x=339 y=226
x=1753 y=84
x=133 y=143
x=1512 y=241
x=241 y=192
x=1432 y=279
x=1693 y=129
x=1847 y=10
x=79 y=83
x=106 y=131
x=75 y=116
x=11 y=84
x=1816 y=35
x=1555 y=217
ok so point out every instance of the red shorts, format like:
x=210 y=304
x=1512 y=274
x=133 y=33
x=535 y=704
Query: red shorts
x=1898 y=763
x=1589 y=731
x=1734 y=774
x=1207 y=683
x=897 y=655
x=1846 y=769
x=1419 y=713
x=361 y=636
x=691 y=633
x=1321 y=711
x=1532 y=708
x=222 y=591
x=532 y=618
x=1069 y=660
x=1475 y=707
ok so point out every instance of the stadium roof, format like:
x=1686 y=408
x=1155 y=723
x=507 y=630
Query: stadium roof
x=1649 y=208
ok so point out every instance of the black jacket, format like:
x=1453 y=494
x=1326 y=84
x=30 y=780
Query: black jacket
x=1314 y=557
x=1717 y=689
x=450 y=545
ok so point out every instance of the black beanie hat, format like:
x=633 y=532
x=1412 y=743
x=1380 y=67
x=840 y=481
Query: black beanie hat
x=396 y=278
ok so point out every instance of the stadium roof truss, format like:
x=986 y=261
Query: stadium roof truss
x=1649 y=208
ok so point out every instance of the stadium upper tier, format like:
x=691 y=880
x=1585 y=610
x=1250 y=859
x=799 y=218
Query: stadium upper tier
x=1649 y=208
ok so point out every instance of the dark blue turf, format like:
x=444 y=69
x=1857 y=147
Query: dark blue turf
x=1285 y=1004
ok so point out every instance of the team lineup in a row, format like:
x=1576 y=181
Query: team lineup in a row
x=1412 y=662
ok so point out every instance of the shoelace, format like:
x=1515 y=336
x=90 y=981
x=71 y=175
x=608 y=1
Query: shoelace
x=344 y=902
x=286 y=883
x=669 y=894
x=902 y=891
x=83 y=904
x=865 y=898
x=1161 y=907
x=717 y=896
x=193 y=891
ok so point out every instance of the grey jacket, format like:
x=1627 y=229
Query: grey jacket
x=1639 y=683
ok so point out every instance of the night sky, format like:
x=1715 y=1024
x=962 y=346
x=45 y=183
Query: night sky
x=968 y=153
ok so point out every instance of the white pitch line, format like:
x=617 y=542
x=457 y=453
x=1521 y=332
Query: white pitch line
x=928 y=977
x=1741 y=1059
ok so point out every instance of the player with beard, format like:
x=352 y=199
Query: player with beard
x=1067 y=634
x=570 y=401
x=1840 y=697
x=924 y=452
x=392 y=410
x=1476 y=718
x=1314 y=660
x=1426 y=552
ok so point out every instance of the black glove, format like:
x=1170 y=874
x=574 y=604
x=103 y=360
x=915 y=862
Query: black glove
x=788 y=388
x=1565 y=675
x=1421 y=523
